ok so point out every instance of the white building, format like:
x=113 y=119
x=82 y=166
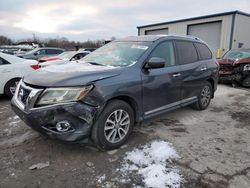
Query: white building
x=221 y=31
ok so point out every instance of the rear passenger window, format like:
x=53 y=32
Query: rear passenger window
x=165 y=50
x=53 y=51
x=203 y=50
x=186 y=52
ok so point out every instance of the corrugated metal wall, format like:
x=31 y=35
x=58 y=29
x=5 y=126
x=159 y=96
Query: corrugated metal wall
x=241 y=32
x=180 y=28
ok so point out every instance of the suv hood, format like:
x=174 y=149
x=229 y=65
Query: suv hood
x=70 y=74
x=226 y=61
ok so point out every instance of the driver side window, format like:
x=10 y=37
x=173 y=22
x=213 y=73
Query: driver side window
x=165 y=50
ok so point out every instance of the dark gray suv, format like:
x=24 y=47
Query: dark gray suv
x=124 y=82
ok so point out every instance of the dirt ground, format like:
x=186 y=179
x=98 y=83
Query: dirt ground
x=214 y=146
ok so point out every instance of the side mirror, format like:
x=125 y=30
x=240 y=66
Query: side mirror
x=155 y=62
x=35 y=53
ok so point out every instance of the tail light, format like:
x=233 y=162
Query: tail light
x=35 y=67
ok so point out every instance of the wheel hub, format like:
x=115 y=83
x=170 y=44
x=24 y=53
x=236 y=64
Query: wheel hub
x=116 y=126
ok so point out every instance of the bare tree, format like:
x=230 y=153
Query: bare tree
x=59 y=42
x=5 y=40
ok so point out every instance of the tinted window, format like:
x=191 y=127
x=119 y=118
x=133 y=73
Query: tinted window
x=203 y=50
x=165 y=50
x=186 y=52
x=3 y=61
x=79 y=56
x=53 y=51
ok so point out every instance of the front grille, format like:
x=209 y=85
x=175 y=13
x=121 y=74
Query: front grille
x=26 y=96
x=23 y=94
x=226 y=67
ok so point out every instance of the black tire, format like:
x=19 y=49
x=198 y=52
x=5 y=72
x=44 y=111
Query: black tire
x=8 y=88
x=100 y=136
x=204 y=97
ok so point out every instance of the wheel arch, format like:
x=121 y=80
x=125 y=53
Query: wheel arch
x=4 y=88
x=211 y=81
x=132 y=102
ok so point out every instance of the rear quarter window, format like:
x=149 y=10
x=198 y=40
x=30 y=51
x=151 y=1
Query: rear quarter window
x=3 y=61
x=204 y=51
x=186 y=52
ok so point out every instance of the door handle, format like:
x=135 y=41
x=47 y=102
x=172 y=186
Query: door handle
x=176 y=75
x=203 y=68
x=5 y=71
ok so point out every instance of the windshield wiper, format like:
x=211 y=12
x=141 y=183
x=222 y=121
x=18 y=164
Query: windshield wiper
x=94 y=63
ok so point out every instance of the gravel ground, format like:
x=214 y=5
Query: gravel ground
x=213 y=146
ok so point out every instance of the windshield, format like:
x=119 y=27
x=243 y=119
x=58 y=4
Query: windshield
x=236 y=54
x=118 y=54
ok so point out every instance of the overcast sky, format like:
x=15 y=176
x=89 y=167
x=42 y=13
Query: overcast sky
x=80 y=20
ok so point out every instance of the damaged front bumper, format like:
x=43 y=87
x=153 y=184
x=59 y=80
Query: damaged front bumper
x=69 y=122
x=234 y=74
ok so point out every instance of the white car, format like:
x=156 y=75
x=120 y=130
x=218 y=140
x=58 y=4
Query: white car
x=12 y=69
x=65 y=57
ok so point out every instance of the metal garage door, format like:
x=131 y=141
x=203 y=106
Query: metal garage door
x=157 y=32
x=208 y=32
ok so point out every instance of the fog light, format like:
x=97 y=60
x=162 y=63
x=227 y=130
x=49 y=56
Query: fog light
x=63 y=126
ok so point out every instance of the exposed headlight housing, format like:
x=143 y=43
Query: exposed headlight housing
x=246 y=67
x=63 y=95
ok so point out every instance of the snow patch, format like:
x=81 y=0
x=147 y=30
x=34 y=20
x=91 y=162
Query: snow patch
x=14 y=121
x=153 y=163
x=100 y=179
x=76 y=67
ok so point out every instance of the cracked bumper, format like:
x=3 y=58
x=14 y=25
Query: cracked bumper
x=230 y=78
x=44 y=119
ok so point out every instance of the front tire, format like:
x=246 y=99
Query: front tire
x=10 y=87
x=204 y=97
x=113 y=126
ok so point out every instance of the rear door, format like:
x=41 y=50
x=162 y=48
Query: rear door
x=161 y=87
x=193 y=70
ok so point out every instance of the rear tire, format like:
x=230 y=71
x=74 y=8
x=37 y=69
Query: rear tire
x=10 y=87
x=204 y=97
x=113 y=126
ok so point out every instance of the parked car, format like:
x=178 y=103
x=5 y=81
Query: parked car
x=116 y=86
x=38 y=53
x=87 y=49
x=75 y=57
x=235 y=67
x=69 y=56
x=12 y=69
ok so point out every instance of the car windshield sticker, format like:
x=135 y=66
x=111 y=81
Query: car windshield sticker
x=140 y=47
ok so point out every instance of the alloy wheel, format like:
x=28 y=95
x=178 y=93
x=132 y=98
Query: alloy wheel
x=205 y=96
x=117 y=126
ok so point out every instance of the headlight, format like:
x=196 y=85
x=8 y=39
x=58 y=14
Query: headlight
x=246 y=67
x=62 y=95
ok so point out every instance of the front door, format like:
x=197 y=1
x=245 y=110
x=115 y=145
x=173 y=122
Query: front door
x=161 y=86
